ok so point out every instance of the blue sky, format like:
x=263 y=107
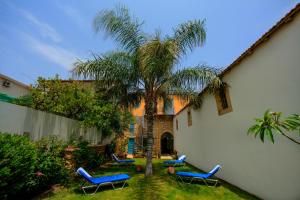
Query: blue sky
x=44 y=38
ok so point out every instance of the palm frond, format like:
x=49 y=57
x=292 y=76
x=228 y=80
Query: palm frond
x=157 y=58
x=111 y=66
x=115 y=75
x=124 y=28
x=189 y=35
x=193 y=77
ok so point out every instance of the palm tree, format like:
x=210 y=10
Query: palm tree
x=145 y=67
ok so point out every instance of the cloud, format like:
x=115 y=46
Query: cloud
x=46 y=30
x=53 y=53
x=72 y=13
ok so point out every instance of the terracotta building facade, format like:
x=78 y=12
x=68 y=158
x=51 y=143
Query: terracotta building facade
x=162 y=130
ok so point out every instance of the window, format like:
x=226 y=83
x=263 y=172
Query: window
x=131 y=129
x=137 y=105
x=177 y=124
x=223 y=101
x=189 y=115
x=168 y=107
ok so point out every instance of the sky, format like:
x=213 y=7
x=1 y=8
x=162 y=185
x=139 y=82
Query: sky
x=44 y=38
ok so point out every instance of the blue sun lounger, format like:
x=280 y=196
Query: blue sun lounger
x=205 y=177
x=178 y=162
x=122 y=162
x=103 y=180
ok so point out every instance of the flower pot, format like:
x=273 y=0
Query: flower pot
x=171 y=170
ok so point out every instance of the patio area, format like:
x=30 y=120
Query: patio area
x=160 y=186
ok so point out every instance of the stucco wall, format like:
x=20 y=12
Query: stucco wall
x=19 y=119
x=14 y=89
x=269 y=78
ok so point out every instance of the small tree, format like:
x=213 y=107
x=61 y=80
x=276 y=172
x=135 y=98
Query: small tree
x=73 y=100
x=272 y=122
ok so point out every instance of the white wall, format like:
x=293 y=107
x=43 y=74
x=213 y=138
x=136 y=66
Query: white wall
x=19 y=119
x=15 y=90
x=269 y=78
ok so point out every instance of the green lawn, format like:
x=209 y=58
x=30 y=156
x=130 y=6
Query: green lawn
x=160 y=186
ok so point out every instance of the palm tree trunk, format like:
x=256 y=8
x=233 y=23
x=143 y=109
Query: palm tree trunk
x=149 y=116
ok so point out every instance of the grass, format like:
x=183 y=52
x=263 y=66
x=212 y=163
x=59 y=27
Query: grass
x=160 y=186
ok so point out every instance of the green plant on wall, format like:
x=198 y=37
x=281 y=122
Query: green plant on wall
x=273 y=122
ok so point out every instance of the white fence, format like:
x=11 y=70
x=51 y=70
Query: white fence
x=37 y=124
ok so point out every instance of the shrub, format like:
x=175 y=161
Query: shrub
x=27 y=167
x=87 y=157
x=50 y=162
x=17 y=164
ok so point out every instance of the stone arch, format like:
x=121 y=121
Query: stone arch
x=167 y=143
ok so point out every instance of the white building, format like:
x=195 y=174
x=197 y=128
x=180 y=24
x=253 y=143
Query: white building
x=12 y=87
x=266 y=76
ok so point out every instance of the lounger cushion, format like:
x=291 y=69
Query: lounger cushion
x=200 y=175
x=113 y=178
x=173 y=161
x=193 y=175
x=126 y=161
x=180 y=160
x=103 y=179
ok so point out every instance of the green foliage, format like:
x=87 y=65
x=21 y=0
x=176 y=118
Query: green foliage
x=124 y=28
x=108 y=117
x=272 y=122
x=27 y=168
x=86 y=156
x=74 y=100
x=50 y=152
x=146 y=67
x=69 y=99
x=17 y=164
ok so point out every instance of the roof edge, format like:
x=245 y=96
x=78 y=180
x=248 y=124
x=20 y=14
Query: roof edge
x=15 y=81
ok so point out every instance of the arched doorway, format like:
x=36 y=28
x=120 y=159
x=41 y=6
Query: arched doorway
x=166 y=143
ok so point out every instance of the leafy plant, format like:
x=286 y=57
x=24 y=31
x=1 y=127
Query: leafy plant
x=272 y=122
x=86 y=156
x=27 y=167
x=73 y=100
x=17 y=165
x=50 y=163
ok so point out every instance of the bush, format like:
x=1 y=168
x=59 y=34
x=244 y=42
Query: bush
x=50 y=163
x=27 y=167
x=87 y=157
x=17 y=164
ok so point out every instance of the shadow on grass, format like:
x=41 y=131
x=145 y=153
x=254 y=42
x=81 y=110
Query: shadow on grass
x=241 y=193
x=102 y=188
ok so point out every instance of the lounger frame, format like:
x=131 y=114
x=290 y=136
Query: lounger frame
x=84 y=186
x=118 y=163
x=204 y=180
